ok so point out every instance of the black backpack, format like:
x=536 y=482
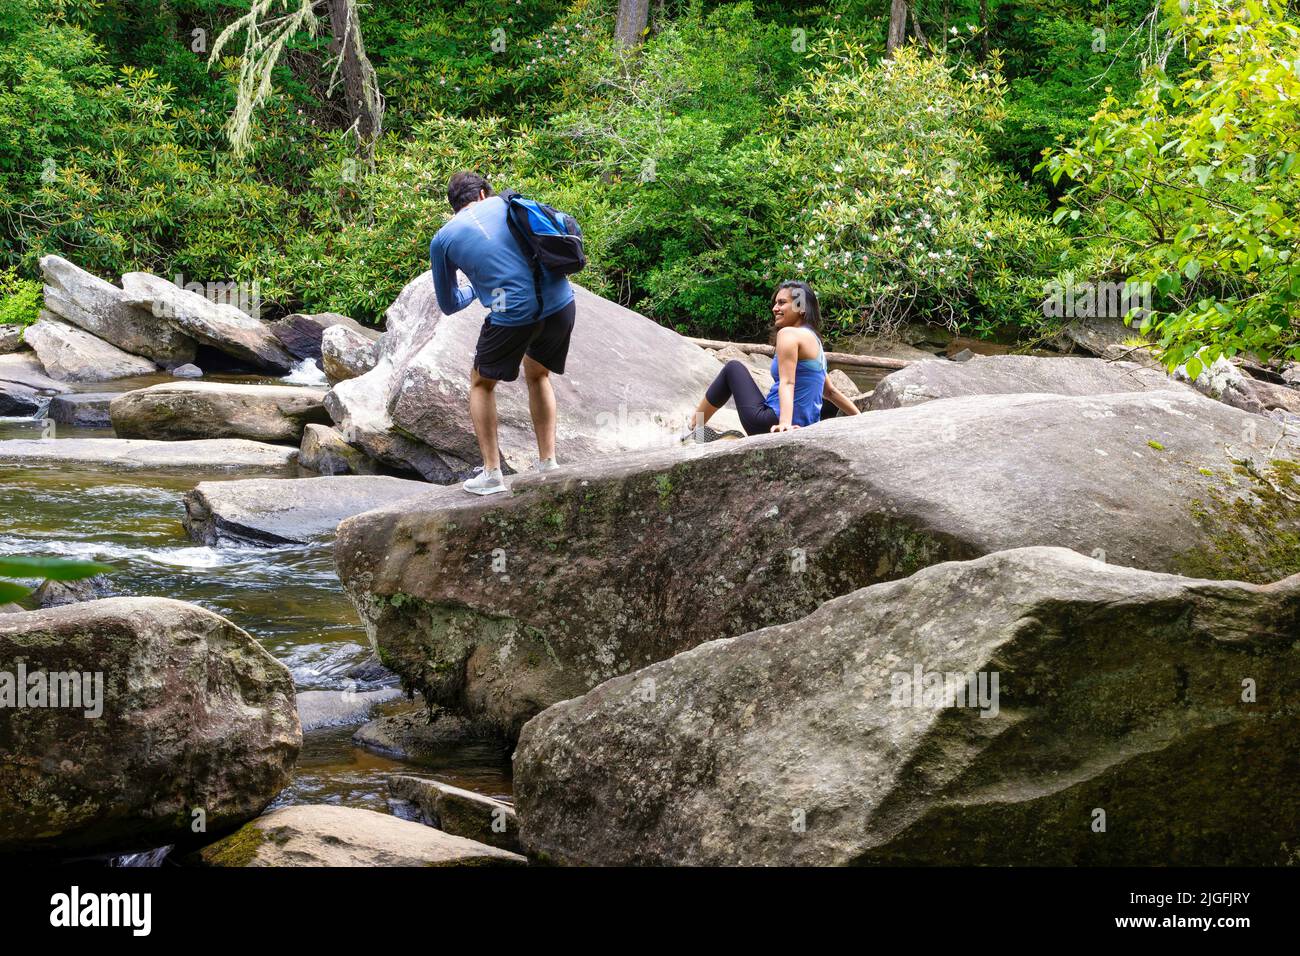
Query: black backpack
x=547 y=237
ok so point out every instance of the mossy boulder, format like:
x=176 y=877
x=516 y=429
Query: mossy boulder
x=1119 y=717
x=501 y=607
x=192 y=730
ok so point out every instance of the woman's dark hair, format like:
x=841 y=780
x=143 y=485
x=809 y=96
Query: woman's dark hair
x=463 y=188
x=805 y=300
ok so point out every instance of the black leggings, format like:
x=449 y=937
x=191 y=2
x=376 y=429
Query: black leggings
x=734 y=381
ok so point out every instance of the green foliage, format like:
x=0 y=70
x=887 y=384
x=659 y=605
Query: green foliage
x=50 y=569
x=1198 y=184
x=896 y=212
x=20 y=299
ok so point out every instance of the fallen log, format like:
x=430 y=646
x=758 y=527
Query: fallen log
x=832 y=358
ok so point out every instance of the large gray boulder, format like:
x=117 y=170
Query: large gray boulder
x=71 y=354
x=219 y=324
x=346 y=353
x=100 y=308
x=629 y=385
x=182 y=410
x=1014 y=374
x=188 y=719
x=301 y=333
x=25 y=369
x=287 y=510
x=1033 y=707
x=226 y=455
x=499 y=608
x=321 y=835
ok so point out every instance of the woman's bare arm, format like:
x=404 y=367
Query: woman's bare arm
x=787 y=358
x=839 y=399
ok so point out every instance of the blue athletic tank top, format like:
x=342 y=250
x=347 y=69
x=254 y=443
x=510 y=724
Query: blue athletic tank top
x=809 y=379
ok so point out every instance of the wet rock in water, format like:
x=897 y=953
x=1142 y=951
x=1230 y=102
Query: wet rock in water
x=24 y=368
x=11 y=338
x=411 y=735
x=370 y=671
x=873 y=730
x=498 y=608
x=180 y=410
x=301 y=333
x=460 y=812
x=965 y=355
x=630 y=384
x=187 y=370
x=335 y=708
x=19 y=401
x=288 y=510
x=216 y=454
x=347 y=353
x=82 y=409
x=324 y=450
x=56 y=593
x=1014 y=374
x=188 y=713
x=321 y=835
x=100 y=308
x=219 y=324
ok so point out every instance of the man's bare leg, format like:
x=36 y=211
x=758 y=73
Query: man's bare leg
x=483 y=413
x=541 y=405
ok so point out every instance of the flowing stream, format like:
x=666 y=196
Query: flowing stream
x=288 y=597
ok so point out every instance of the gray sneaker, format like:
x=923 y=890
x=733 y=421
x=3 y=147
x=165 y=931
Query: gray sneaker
x=486 y=483
x=707 y=433
x=546 y=464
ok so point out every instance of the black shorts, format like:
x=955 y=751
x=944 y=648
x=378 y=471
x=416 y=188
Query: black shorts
x=501 y=348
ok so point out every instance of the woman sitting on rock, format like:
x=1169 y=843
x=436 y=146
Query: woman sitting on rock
x=798 y=372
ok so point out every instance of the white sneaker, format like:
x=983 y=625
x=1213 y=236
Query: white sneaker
x=546 y=464
x=486 y=483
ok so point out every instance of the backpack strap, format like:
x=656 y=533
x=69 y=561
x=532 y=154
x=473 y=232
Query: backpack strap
x=525 y=246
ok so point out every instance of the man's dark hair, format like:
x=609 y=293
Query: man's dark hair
x=463 y=188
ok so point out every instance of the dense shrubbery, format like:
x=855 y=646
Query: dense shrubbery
x=726 y=154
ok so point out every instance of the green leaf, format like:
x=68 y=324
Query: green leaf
x=53 y=569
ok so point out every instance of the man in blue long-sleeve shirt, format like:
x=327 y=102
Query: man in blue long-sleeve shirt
x=477 y=241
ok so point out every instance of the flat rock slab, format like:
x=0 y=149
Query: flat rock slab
x=499 y=608
x=1015 y=374
x=289 y=511
x=458 y=811
x=191 y=713
x=24 y=368
x=975 y=714
x=180 y=410
x=413 y=736
x=338 y=708
x=71 y=354
x=82 y=409
x=216 y=454
x=218 y=324
x=101 y=309
x=346 y=836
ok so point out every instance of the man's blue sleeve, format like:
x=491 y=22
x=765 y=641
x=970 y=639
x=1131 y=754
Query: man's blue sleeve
x=451 y=297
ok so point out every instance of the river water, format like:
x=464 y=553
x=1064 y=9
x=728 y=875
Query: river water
x=287 y=597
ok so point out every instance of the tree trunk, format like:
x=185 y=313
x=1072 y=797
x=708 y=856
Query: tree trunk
x=360 y=88
x=984 y=28
x=897 y=25
x=633 y=15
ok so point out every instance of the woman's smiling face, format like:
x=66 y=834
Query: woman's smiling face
x=785 y=311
